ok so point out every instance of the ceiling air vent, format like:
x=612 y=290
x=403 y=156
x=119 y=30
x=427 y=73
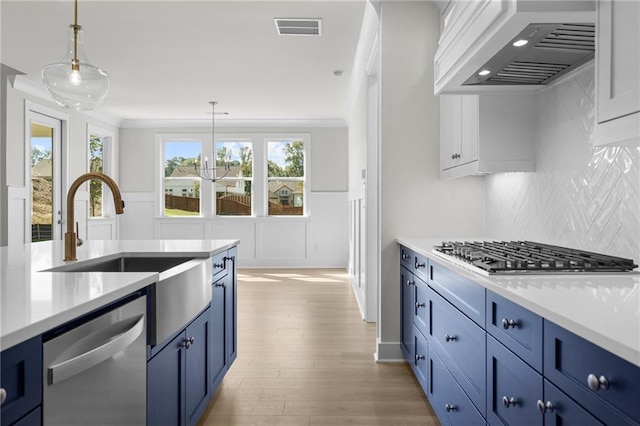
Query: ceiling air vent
x=298 y=26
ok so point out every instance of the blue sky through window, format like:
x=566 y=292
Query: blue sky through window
x=186 y=149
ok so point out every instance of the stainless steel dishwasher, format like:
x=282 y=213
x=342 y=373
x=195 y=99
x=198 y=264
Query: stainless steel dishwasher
x=95 y=373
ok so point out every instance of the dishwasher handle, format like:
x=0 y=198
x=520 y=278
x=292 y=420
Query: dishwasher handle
x=115 y=342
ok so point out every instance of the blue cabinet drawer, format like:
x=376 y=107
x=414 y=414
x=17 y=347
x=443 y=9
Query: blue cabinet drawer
x=598 y=380
x=517 y=328
x=421 y=266
x=463 y=343
x=421 y=313
x=462 y=293
x=407 y=300
x=420 y=362
x=448 y=400
x=513 y=388
x=406 y=258
x=220 y=265
x=21 y=378
x=560 y=410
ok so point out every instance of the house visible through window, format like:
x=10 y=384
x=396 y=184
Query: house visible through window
x=234 y=173
x=181 y=176
x=285 y=177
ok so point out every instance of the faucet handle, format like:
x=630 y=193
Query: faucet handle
x=79 y=240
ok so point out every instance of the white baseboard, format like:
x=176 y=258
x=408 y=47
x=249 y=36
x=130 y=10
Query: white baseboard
x=388 y=352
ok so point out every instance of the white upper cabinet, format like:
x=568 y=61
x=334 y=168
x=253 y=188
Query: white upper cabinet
x=618 y=73
x=486 y=133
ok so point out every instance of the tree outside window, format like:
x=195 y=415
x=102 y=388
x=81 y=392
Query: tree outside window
x=181 y=178
x=234 y=173
x=96 y=165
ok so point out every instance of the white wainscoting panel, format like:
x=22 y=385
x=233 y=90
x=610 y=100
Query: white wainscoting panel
x=101 y=229
x=281 y=239
x=17 y=215
x=138 y=220
x=580 y=196
x=182 y=229
x=328 y=226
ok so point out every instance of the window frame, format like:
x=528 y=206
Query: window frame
x=287 y=137
x=230 y=138
x=108 y=145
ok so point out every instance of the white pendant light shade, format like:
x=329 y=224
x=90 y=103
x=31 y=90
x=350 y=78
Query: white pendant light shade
x=73 y=82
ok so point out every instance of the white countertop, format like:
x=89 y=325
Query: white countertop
x=32 y=302
x=601 y=308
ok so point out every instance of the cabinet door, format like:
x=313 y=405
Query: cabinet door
x=34 y=418
x=407 y=290
x=470 y=129
x=218 y=350
x=560 y=410
x=165 y=385
x=420 y=362
x=231 y=315
x=618 y=63
x=513 y=388
x=197 y=367
x=21 y=378
x=450 y=130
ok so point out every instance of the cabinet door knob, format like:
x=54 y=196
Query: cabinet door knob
x=219 y=285
x=218 y=265
x=543 y=408
x=506 y=323
x=419 y=357
x=3 y=396
x=449 y=338
x=420 y=305
x=405 y=256
x=409 y=282
x=509 y=402
x=596 y=383
x=450 y=407
x=419 y=265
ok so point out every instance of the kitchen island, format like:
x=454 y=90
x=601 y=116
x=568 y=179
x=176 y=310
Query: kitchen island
x=43 y=297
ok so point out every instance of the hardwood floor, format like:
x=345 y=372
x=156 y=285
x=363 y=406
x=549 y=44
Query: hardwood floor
x=305 y=357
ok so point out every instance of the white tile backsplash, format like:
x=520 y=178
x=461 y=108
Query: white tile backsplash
x=580 y=196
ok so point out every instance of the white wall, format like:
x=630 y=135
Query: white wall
x=579 y=196
x=319 y=240
x=414 y=201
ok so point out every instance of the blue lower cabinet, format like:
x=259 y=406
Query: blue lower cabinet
x=407 y=298
x=420 y=361
x=447 y=398
x=21 y=378
x=513 y=388
x=463 y=345
x=560 y=410
x=217 y=349
x=178 y=377
x=421 y=311
x=34 y=418
x=601 y=382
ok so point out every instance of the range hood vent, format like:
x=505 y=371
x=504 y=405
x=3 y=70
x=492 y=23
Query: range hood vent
x=552 y=50
x=298 y=26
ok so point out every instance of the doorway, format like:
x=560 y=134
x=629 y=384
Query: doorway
x=45 y=165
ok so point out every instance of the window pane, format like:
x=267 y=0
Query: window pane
x=286 y=197
x=41 y=182
x=96 y=156
x=181 y=180
x=234 y=170
x=285 y=171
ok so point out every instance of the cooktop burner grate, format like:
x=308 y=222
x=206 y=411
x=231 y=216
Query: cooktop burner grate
x=496 y=257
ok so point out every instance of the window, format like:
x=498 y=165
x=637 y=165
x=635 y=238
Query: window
x=285 y=177
x=96 y=165
x=234 y=173
x=181 y=168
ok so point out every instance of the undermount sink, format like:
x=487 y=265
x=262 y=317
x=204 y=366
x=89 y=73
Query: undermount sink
x=183 y=289
x=123 y=264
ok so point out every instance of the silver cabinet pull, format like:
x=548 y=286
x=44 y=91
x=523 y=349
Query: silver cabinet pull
x=544 y=407
x=509 y=402
x=113 y=340
x=420 y=305
x=419 y=357
x=596 y=383
x=3 y=396
x=405 y=256
x=450 y=407
x=419 y=265
x=506 y=323
x=449 y=338
x=409 y=282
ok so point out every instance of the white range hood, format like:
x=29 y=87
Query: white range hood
x=479 y=35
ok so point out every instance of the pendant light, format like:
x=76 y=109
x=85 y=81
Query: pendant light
x=73 y=82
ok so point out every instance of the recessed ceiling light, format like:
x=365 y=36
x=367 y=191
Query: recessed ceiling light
x=484 y=72
x=520 y=43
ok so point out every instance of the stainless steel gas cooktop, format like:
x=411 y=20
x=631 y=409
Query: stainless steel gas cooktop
x=515 y=257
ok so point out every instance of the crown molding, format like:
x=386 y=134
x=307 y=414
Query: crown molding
x=235 y=123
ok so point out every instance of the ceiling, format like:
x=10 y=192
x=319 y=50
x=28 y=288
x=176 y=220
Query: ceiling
x=168 y=59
